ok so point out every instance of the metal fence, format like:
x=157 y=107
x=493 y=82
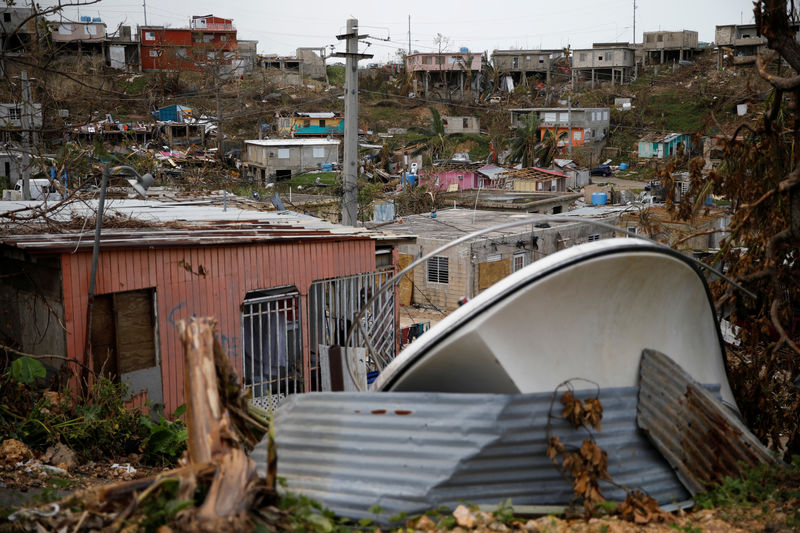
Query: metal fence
x=333 y=304
x=273 y=347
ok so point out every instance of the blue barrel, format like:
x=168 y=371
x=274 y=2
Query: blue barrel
x=623 y=166
x=599 y=198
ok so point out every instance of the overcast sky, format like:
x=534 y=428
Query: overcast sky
x=282 y=26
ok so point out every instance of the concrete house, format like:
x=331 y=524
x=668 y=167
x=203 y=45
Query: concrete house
x=446 y=74
x=454 y=177
x=470 y=267
x=273 y=283
x=269 y=160
x=519 y=64
x=587 y=124
x=662 y=146
x=453 y=124
x=88 y=35
x=742 y=40
x=604 y=62
x=17 y=28
x=533 y=179
x=11 y=115
x=301 y=124
x=669 y=46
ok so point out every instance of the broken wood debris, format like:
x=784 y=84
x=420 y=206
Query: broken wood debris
x=216 y=487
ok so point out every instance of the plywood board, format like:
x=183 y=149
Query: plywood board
x=133 y=313
x=406 y=287
x=491 y=272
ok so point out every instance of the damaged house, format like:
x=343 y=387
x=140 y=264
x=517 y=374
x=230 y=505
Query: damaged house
x=470 y=267
x=587 y=124
x=269 y=160
x=302 y=124
x=669 y=46
x=446 y=75
x=520 y=64
x=604 y=62
x=275 y=282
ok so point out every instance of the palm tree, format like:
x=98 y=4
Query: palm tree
x=526 y=138
x=433 y=139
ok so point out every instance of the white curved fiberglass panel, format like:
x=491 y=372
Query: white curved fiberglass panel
x=586 y=312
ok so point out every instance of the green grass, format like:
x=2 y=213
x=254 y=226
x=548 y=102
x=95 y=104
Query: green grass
x=137 y=86
x=681 y=113
x=325 y=178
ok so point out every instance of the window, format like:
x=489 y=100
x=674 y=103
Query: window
x=465 y=123
x=322 y=123
x=563 y=117
x=515 y=62
x=208 y=38
x=223 y=38
x=632 y=229
x=319 y=152
x=440 y=60
x=65 y=29
x=599 y=58
x=605 y=115
x=582 y=56
x=307 y=123
x=550 y=117
x=541 y=60
x=91 y=29
x=439 y=270
x=284 y=123
x=283 y=153
x=149 y=36
x=610 y=56
x=426 y=60
x=14 y=113
x=594 y=237
x=6 y=17
x=519 y=261
x=576 y=135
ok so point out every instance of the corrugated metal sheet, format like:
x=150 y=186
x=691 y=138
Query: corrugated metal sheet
x=700 y=437
x=229 y=271
x=415 y=451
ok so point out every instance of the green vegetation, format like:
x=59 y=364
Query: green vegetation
x=676 y=112
x=336 y=75
x=94 y=423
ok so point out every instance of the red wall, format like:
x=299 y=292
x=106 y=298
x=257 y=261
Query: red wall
x=168 y=42
x=230 y=272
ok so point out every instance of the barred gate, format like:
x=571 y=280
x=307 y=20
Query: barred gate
x=273 y=346
x=333 y=304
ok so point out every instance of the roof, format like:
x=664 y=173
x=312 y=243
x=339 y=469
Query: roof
x=149 y=223
x=546 y=109
x=293 y=142
x=491 y=171
x=318 y=115
x=532 y=173
x=661 y=137
x=451 y=224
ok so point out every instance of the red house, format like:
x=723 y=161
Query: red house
x=208 y=41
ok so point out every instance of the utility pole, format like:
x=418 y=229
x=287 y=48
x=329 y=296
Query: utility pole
x=569 y=123
x=144 y=5
x=350 y=166
x=25 y=122
x=634 y=26
x=220 y=134
x=409 y=35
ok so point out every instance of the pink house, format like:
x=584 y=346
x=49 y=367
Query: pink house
x=453 y=179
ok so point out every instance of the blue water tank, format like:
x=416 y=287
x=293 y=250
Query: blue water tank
x=97 y=19
x=623 y=166
x=86 y=19
x=326 y=167
x=464 y=50
x=599 y=198
x=411 y=179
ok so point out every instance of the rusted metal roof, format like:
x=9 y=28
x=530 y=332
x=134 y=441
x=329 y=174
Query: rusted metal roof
x=147 y=224
x=532 y=173
x=698 y=435
x=409 y=452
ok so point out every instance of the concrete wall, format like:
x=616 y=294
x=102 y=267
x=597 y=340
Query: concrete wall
x=603 y=58
x=79 y=31
x=453 y=124
x=452 y=62
x=670 y=40
x=465 y=259
x=311 y=63
x=10 y=112
x=521 y=60
x=289 y=158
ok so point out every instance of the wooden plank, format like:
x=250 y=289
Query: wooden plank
x=133 y=314
x=405 y=288
x=491 y=272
